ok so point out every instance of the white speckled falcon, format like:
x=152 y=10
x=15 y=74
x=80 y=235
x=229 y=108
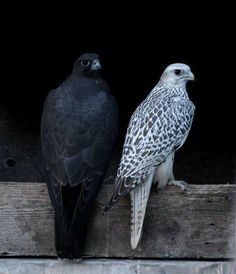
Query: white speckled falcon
x=158 y=127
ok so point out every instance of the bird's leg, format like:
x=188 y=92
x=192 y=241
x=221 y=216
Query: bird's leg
x=164 y=172
x=181 y=184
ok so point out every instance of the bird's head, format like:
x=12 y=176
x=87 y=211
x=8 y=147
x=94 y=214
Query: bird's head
x=87 y=64
x=177 y=74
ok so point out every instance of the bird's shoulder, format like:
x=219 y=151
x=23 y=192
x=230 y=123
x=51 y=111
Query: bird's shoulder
x=79 y=96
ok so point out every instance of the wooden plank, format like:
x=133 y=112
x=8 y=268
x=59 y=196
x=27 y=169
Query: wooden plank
x=98 y=266
x=196 y=224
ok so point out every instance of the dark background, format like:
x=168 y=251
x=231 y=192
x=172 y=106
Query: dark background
x=38 y=52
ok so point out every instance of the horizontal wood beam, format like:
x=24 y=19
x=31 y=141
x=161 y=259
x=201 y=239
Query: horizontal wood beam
x=98 y=266
x=197 y=224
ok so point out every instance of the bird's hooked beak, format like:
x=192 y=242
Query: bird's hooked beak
x=191 y=76
x=96 y=65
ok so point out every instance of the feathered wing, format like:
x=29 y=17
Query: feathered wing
x=155 y=129
x=77 y=140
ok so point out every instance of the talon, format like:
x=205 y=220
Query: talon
x=76 y=260
x=181 y=184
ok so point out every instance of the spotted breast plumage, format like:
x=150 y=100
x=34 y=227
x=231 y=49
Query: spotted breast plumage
x=158 y=127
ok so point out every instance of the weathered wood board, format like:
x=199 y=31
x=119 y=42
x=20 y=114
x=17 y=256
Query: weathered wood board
x=196 y=224
x=98 y=266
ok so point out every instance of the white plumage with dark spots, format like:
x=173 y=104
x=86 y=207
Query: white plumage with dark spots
x=158 y=127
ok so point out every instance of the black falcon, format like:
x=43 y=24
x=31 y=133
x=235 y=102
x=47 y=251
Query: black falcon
x=78 y=131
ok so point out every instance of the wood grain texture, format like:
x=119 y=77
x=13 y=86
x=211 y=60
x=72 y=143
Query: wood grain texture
x=196 y=224
x=107 y=266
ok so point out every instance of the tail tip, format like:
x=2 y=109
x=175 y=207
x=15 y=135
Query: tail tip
x=134 y=243
x=106 y=209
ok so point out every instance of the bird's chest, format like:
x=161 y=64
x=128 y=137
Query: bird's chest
x=76 y=102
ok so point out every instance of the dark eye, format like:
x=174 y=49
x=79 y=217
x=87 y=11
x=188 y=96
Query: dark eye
x=85 y=63
x=177 y=71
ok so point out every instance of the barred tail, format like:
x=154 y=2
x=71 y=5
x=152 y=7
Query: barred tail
x=139 y=198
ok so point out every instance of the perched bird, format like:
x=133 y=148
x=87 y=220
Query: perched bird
x=158 y=127
x=78 y=130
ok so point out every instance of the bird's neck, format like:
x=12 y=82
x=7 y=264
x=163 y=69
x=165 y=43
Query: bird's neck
x=89 y=75
x=84 y=84
x=75 y=78
x=169 y=89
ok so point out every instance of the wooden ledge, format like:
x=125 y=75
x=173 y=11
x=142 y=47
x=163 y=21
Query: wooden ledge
x=196 y=224
x=38 y=266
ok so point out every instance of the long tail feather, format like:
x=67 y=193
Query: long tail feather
x=70 y=237
x=139 y=197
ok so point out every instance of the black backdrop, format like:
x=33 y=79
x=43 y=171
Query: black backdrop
x=37 y=62
x=38 y=53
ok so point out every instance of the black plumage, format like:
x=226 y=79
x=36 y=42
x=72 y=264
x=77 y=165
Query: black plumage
x=78 y=131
